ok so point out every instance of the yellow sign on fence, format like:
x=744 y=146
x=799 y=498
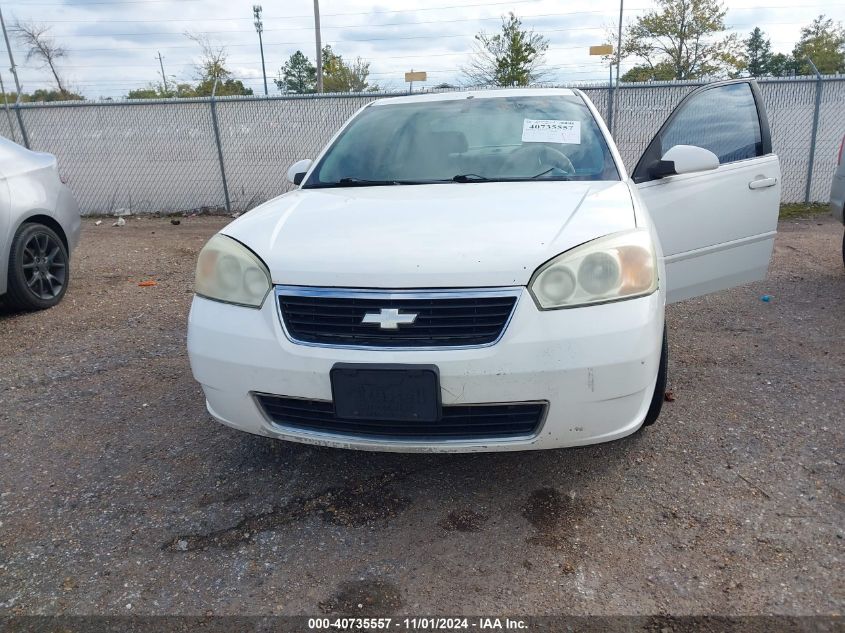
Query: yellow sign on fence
x=415 y=76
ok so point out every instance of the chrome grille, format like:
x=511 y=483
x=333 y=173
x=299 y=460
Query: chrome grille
x=335 y=317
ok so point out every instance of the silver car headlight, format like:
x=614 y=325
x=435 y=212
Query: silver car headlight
x=611 y=268
x=228 y=271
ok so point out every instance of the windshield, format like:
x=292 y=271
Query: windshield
x=551 y=137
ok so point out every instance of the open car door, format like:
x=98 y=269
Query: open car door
x=717 y=227
x=5 y=222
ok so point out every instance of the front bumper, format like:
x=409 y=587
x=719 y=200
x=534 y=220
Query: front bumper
x=596 y=367
x=67 y=214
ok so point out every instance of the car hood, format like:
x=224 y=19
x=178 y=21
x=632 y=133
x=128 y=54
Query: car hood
x=428 y=236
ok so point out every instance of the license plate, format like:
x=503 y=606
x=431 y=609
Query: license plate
x=397 y=393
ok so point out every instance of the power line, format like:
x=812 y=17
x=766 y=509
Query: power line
x=418 y=22
x=369 y=39
x=361 y=26
x=193 y=46
x=366 y=59
x=590 y=64
x=397 y=75
x=427 y=36
x=85 y=4
x=289 y=17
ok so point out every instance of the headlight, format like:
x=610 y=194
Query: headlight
x=611 y=268
x=228 y=271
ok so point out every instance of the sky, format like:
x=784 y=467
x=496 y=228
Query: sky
x=112 y=45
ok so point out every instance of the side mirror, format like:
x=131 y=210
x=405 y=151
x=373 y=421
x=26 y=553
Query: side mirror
x=297 y=171
x=684 y=159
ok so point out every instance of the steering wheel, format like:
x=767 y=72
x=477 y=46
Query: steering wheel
x=535 y=158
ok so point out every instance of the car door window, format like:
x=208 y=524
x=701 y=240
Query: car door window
x=723 y=119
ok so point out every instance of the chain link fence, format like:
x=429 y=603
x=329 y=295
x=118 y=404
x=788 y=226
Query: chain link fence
x=232 y=152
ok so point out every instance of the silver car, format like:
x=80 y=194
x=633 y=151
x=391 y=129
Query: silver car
x=39 y=227
x=837 y=191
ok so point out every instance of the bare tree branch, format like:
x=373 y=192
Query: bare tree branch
x=212 y=64
x=41 y=47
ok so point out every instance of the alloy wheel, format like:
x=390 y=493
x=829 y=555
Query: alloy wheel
x=44 y=266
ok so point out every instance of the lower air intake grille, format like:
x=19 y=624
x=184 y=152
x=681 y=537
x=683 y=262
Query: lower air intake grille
x=459 y=422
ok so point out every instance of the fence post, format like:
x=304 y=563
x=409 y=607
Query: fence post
x=17 y=109
x=219 y=146
x=819 y=86
x=610 y=102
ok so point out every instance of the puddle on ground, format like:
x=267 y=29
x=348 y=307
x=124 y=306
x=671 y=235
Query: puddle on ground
x=364 y=597
x=463 y=521
x=354 y=505
x=552 y=515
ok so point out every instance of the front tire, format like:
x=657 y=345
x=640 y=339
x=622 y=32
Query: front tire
x=39 y=269
x=660 y=388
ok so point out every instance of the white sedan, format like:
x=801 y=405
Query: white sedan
x=477 y=271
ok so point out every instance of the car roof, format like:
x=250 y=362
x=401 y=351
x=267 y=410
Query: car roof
x=492 y=93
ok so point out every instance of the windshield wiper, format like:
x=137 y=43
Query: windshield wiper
x=464 y=178
x=470 y=178
x=543 y=173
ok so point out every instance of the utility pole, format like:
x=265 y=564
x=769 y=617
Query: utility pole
x=13 y=68
x=259 y=28
x=163 y=76
x=619 y=43
x=6 y=107
x=319 y=46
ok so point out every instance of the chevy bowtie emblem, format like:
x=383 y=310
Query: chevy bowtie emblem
x=389 y=318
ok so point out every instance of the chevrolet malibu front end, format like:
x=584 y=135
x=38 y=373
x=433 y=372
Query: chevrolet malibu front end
x=460 y=272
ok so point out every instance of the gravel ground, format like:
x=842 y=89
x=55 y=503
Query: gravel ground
x=119 y=495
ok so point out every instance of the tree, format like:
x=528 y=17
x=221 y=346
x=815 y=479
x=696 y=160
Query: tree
x=758 y=54
x=359 y=71
x=44 y=95
x=184 y=90
x=225 y=88
x=684 y=34
x=212 y=68
x=781 y=65
x=212 y=62
x=42 y=47
x=823 y=42
x=512 y=57
x=338 y=76
x=333 y=75
x=157 y=91
x=298 y=75
x=150 y=92
x=662 y=71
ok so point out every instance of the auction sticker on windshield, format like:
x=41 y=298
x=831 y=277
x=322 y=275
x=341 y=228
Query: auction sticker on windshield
x=551 y=131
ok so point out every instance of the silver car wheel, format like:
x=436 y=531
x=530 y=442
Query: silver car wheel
x=44 y=265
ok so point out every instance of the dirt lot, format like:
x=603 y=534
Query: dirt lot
x=119 y=495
